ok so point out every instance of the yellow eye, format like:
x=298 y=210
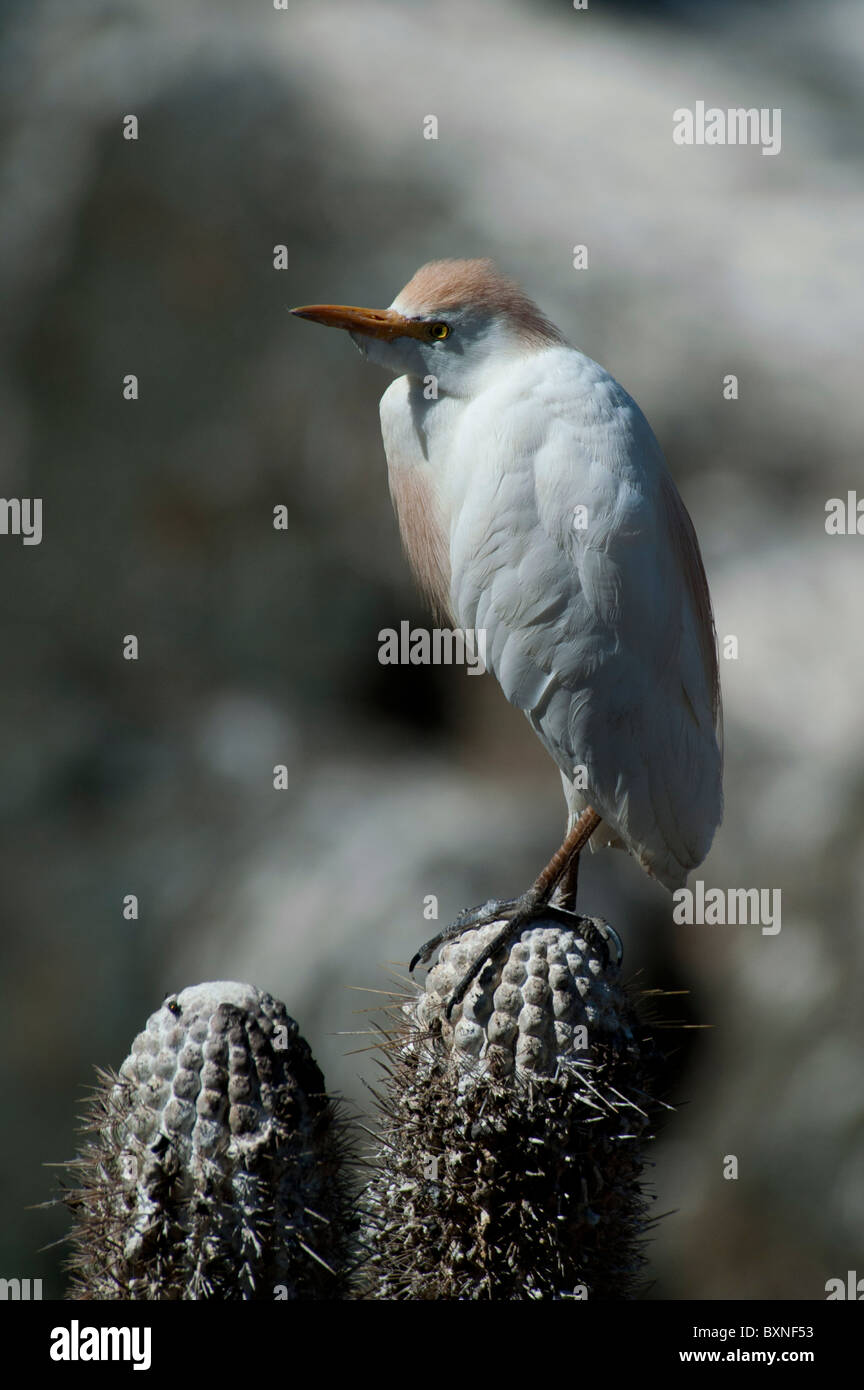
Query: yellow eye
x=439 y=331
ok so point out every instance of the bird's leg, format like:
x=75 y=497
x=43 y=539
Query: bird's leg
x=562 y=904
x=568 y=884
x=534 y=903
x=537 y=897
x=545 y=884
x=518 y=912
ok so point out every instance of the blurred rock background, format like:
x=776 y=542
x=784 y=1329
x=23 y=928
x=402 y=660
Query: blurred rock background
x=304 y=127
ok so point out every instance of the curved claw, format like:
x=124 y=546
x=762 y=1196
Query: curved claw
x=492 y=910
x=420 y=957
x=608 y=935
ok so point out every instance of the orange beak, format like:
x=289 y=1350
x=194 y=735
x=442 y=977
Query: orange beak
x=375 y=323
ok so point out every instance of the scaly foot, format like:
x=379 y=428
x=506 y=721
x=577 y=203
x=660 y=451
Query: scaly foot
x=515 y=914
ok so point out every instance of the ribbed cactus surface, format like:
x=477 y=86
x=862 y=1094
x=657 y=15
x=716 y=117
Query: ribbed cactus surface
x=216 y=1166
x=511 y=1138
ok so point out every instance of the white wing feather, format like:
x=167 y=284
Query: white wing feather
x=602 y=635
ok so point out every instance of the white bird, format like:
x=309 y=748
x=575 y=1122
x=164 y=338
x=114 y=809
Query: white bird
x=534 y=503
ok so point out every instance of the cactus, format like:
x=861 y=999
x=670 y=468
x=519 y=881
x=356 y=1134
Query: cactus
x=511 y=1139
x=508 y=1163
x=217 y=1166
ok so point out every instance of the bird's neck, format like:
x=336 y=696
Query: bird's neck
x=416 y=427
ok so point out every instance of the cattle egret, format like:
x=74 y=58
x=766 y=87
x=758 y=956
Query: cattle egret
x=535 y=504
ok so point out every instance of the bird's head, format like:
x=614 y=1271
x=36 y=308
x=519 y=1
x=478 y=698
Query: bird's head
x=454 y=321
